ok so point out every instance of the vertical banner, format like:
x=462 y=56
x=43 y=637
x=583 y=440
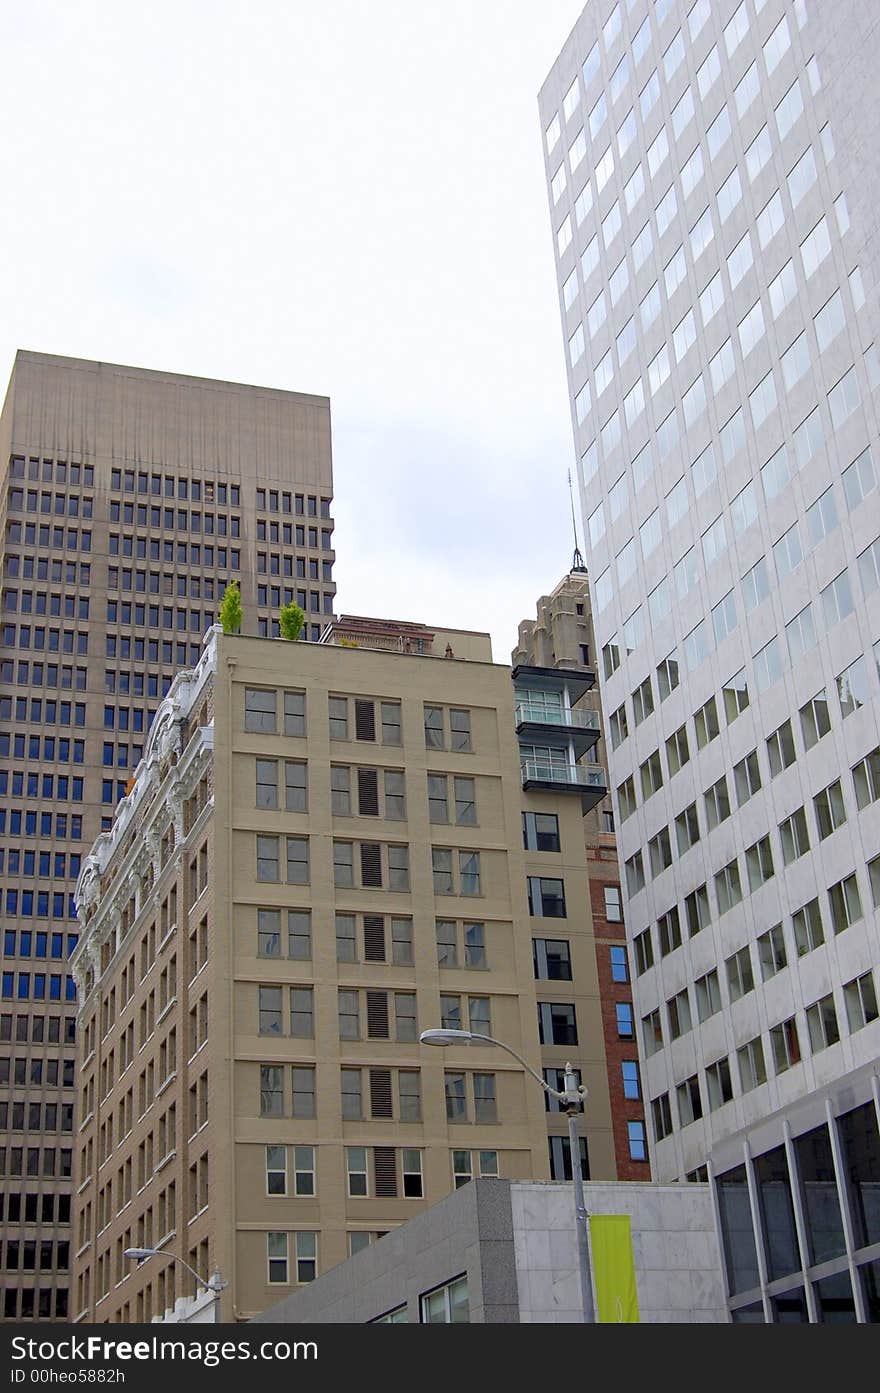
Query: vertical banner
x=614 y=1272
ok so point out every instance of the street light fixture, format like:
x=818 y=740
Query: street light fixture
x=215 y=1283
x=572 y=1098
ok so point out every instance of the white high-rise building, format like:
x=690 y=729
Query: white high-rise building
x=712 y=170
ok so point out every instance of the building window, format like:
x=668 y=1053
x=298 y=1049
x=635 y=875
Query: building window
x=268 y=864
x=815 y=719
x=751 y=1065
x=860 y=1000
x=846 y=903
x=771 y=952
x=669 y=931
x=297 y=860
x=866 y=779
x=446 y=1305
x=785 y=1045
x=807 y=925
x=552 y=959
x=485 y=1106
x=294 y=713
x=624 y=1016
x=276 y=1250
x=661 y=1116
x=557 y=1023
x=560 y=1158
x=619 y=964
x=546 y=897
x=303 y=1100
x=630 y=1074
x=456 y=1098
x=303 y=1170
x=260 y=711
x=540 y=831
x=338 y=714
x=276 y=1170
x=638 y=1148
x=690 y=1103
x=718 y=1083
x=644 y=950
x=822 y=1024
x=739 y=974
x=708 y=995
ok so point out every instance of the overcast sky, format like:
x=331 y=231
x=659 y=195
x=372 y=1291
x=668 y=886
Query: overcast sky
x=338 y=197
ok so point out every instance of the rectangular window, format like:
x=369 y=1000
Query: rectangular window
x=746 y=778
x=752 y=1071
x=846 y=903
x=546 y=897
x=822 y=1024
x=718 y=1083
x=297 y=860
x=728 y=889
x=708 y=995
x=552 y=959
x=294 y=713
x=829 y=809
x=268 y=864
x=807 y=925
x=661 y=1117
x=338 y=711
x=540 y=832
x=860 y=1000
x=644 y=951
x=866 y=779
x=739 y=974
x=260 y=711
x=771 y=952
x=295 y=785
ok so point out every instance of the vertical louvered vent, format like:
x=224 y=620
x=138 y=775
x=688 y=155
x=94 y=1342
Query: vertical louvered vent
x=385 y=1172
x=371 y=864
x=380 y=1092
x=374 y=938
x=364 y=720
x=368 y=793
x=377 y=1015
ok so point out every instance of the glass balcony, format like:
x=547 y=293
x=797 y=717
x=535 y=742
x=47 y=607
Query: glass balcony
x=538 y=719
x=588 y=780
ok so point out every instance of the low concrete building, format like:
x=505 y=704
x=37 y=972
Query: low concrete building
x=505 y=1252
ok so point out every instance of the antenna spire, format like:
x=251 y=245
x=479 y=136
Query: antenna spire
x=577 y=563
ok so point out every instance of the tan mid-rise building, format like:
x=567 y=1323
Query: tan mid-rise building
x=328 y=849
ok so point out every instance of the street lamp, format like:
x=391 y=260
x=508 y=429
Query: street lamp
x=571 y=1097
x=214 y=1284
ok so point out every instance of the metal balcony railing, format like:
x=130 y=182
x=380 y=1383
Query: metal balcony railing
x=538 y=714
x=583 y=775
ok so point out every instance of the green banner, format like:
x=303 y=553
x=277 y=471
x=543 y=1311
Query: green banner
x=614 y=1273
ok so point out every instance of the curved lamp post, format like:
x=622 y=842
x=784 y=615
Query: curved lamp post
x=214 y=1284
x=571 y=1097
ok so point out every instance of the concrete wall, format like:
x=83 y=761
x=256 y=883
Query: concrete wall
x=468 y=1232
x=517 y=1245
x=675 y=1248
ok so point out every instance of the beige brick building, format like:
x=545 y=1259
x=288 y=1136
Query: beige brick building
x=128 y=499
x=329 y=848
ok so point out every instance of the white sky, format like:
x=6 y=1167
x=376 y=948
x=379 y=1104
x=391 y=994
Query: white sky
x=339 y=197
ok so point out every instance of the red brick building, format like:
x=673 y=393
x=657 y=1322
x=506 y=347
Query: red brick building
x=562 y=637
